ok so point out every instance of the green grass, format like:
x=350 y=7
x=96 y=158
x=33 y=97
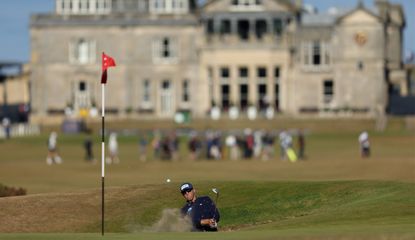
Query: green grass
x=260 y=210
x=332 y=195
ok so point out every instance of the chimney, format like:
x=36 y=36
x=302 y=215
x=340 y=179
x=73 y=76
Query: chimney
x=383 y=8
x=298 y=3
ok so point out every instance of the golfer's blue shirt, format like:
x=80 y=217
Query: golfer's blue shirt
x=202 y=208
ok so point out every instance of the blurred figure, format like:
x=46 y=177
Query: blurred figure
x=231 y=143
x=156 y=145
x=282 y=141
x=268 y=141
x=166 y=148
x=6 y=127
x=301 y=144
x=258 y=144
x=285 y=144
x=142 y=148
x=174 y=145
x=364 y=144
x=249 y=143
x=216 y=149
x=89 y=154
x=194 y=146
x=53 y=156
x=113 y=149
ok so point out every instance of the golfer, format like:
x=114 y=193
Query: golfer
x=201 y=210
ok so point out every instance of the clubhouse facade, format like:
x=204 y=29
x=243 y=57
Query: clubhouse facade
x=273 y=56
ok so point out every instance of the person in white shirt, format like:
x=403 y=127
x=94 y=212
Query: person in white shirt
x=53 y=156
x=364 y=144
x=113 y=149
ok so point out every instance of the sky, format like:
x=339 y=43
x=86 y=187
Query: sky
x=15 y=15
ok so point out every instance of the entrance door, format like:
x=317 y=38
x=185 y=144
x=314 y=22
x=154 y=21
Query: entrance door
x=166 y=98
x=82 y=95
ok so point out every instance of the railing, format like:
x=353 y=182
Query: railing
x=20 y=130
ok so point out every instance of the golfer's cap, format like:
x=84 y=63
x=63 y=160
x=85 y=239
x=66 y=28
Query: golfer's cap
x=185 y=187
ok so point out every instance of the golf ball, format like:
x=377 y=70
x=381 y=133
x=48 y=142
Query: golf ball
x=168 y=180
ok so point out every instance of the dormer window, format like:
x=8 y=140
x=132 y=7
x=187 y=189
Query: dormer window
x=169 y=6
x=246 y=4
x=83 y=6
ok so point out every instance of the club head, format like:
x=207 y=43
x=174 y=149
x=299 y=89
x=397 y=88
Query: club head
x=215 y=190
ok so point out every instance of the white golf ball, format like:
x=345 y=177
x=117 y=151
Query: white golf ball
x=168 y=180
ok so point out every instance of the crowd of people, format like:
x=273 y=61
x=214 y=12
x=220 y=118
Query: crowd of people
x=215 y=145
x=171 y=145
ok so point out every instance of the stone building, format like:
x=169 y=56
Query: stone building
x=14 y=91
x=176 y=56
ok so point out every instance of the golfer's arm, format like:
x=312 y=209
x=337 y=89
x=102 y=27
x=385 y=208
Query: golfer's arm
x=204 y=221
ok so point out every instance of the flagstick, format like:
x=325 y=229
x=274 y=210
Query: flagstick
x=103 y=152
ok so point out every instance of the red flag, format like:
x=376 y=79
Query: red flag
x=107 y=62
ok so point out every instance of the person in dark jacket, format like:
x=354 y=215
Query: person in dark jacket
x=201 y=211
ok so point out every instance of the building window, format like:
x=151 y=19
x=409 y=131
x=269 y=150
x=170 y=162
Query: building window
x=225 y=27
x=278 y=27
x=168 y=6
x=211 y=89
x=260 y=28
x=166 y=97
x=185 y=91
x=328 y=91
x=146 y=91
x=262 y=96
x=82 y=51
x=83 y=6
x=262 y=72
x=164 y=50
x=243 y=96
x=316 y=54
x=360 y=65
x=224 y=73
x=243 y=72
x=277 y=74
x=244 y=4
x=225 y=92
x=243 y=29
x=209 y=26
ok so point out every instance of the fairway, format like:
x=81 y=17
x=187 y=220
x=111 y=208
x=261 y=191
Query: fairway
x=333 y=194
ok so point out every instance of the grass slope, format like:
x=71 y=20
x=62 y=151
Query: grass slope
x=257 y=209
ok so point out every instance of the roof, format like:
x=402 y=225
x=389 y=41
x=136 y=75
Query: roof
x=287 y=3
x=360 y=7
x=318 y=19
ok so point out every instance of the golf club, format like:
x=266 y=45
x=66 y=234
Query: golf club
x=216 y=191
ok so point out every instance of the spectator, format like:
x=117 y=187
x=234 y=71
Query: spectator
x=142 y=148
x=89 y=154
x=364 y=144
x=6 y=127
x=268 y=141
x=113 y=149
x=301 y=144
x=53 y=156
x=194 y=146
x=231 y=143
x=285 y=143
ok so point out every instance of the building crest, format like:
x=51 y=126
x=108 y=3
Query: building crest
x=360 y=38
